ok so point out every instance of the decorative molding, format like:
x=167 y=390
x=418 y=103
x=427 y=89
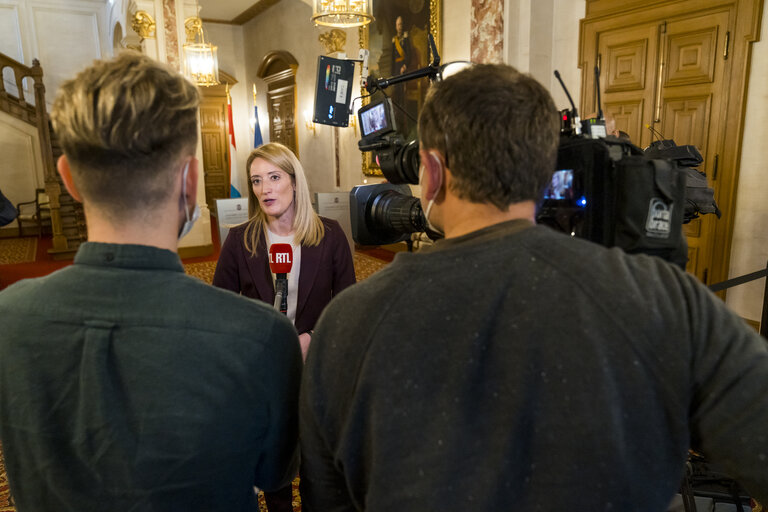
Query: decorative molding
x=14 y=14
x=143 y=24
x=192 y=27
x=334 y=40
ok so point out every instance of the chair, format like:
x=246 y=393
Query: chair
x=37 y=212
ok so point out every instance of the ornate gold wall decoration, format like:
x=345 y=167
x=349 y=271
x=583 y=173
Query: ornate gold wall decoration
x=192 y=26
x=334 y=41
x=143 y=24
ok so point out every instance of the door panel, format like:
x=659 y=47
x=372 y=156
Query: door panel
x=213 y=132
x=628 y=116
x=692 y=98
x=669 y=74
x=627 y=59
x=625 y=64
x=282 y=105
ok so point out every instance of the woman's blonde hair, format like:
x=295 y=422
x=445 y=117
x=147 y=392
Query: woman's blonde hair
x=307 y=226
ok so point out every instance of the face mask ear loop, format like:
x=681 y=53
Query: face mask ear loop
x=431 y=202
x=184 y=190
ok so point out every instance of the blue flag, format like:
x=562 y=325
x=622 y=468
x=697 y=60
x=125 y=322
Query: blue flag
x=257 y=140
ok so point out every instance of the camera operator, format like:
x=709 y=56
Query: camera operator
x=514 y=366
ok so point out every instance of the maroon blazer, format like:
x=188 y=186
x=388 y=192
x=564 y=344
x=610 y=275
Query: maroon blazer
x=326 y=269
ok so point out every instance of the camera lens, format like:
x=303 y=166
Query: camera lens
x=394 y=212
x=409 y=161
x=400 y=163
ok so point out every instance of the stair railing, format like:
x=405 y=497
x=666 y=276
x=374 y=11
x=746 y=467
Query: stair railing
x=36 y=115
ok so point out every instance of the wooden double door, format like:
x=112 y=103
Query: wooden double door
x=671 y=71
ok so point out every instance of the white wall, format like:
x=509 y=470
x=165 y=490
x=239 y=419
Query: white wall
x=456 y=30
x=64 y=35
x=543 y=36
x=21 y=166
x=749 y=251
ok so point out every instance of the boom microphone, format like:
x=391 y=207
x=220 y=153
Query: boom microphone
x=280 y=263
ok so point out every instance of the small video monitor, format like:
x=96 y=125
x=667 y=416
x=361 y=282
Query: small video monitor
x=333 y=91
x=376 y=119
x=561 y=186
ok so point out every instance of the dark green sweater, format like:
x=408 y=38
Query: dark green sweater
x=127 y=385
x=516 y=368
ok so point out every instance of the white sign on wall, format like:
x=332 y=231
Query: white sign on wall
x=231 y=212
x=335 y=205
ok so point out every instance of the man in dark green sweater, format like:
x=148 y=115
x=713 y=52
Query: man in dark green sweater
x=125 y=384
x=515 y=368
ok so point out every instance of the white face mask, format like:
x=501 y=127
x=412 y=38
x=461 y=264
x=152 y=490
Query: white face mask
x=429 y=208
x=187 y=226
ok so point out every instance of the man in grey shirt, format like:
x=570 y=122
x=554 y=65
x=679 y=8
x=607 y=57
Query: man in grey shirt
x=124 y=383
x=512 y=367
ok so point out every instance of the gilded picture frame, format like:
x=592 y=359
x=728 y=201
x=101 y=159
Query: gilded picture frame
x=389 y=58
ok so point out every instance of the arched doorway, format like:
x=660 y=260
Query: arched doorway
x=278 y=70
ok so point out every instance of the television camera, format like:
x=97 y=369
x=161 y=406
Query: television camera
x=609 y=191
x=387 y=213
x=604 y=189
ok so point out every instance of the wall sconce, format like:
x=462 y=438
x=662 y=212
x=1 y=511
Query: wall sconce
x=309 y=123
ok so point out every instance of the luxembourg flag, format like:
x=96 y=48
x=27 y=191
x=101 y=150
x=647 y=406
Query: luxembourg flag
x=233 y=173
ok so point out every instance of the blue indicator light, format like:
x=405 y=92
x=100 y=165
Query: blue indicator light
x=582 y=201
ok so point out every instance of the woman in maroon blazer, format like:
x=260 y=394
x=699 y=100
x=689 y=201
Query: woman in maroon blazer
x=280 y=211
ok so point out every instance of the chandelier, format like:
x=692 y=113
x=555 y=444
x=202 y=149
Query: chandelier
x=342 y=13
x=201 y=63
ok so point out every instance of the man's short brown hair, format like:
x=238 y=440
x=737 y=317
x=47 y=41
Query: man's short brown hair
x=498 y=130
x=124 y=125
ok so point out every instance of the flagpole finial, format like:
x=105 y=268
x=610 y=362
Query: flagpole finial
x=254 y=94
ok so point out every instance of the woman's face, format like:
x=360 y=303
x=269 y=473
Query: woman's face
x=273 y=187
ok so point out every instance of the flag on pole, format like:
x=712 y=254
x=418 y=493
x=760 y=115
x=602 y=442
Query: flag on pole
x=257 y=140
x=233 y=174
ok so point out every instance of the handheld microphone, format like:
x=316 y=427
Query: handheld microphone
x=280 y=263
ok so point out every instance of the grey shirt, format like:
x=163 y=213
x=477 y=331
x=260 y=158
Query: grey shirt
x=516 y=368
x=127 y=385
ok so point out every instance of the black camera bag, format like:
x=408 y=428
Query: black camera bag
x=648 y=214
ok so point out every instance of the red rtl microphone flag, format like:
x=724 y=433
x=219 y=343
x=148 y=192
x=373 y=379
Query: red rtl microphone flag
x=280 y=258
x=280 y=263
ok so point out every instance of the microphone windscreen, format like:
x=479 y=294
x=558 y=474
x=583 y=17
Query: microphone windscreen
x=280 y=258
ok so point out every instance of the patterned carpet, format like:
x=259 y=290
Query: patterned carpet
x=5 y=493
x=203 y=271
x=365 y=266
x=17 y=250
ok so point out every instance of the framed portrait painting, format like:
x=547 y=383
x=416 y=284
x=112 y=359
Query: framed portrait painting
x=398 y=43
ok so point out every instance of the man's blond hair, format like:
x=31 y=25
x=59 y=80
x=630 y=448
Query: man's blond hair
x=124 y=125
